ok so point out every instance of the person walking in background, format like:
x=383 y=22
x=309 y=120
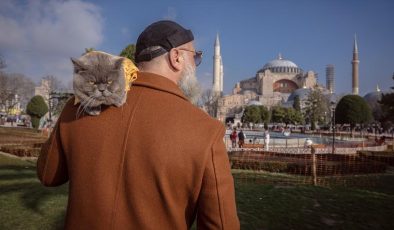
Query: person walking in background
x=266 y=140
x=241 y=139
x=124 y=173
x=233 y=138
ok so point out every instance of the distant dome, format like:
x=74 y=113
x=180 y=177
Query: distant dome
x=372 y=98
x=247 y=92
x=281 y=65
x=253 y=102
x=302 y=93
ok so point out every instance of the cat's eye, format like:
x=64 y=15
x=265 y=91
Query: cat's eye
x=91 y=82
x=109 y=82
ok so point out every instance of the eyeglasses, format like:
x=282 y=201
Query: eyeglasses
x=197 y=56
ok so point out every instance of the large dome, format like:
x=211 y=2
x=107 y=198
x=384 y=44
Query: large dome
x=281 y=65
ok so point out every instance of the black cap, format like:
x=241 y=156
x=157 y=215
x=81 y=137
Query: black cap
x=167 y=34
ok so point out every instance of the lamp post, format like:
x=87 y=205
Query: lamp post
x=333 y=125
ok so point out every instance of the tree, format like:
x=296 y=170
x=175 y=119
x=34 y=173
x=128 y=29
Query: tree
x=293 y=116
x=255 y=114
x=317 y=108
x=36 y=108
x=387 y=108
x=353 y=110
x=286 y=115
x=14 y=88
x=53 y=83
x=210 y=102
x=128 y=52
x=251 y=114
x=278 y=114
x=87 y=50
x=297 y=103
x=264 y=114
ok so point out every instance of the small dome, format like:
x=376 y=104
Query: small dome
x=302 y=93
x=372 y=98
x=247 y=91
x=281 y=65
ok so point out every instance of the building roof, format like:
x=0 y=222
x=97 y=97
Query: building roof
x=281 y=65
x=373 y=97
x=302 y=93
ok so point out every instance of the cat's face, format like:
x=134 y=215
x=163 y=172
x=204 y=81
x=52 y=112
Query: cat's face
x=98 y=80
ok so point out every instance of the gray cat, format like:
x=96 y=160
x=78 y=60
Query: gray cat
x=98 y=80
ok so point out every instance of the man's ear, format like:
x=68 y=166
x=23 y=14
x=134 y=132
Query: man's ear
x=175 y=59
x=78 y=65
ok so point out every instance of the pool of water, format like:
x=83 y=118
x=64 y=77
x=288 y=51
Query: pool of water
x=294 y=138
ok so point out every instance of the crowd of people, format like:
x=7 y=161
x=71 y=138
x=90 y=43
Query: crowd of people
x=241 y=139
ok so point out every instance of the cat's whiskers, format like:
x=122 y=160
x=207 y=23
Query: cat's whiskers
x=82 y=106
x=88 y=103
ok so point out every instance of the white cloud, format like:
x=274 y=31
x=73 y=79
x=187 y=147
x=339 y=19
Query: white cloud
x=38 y=37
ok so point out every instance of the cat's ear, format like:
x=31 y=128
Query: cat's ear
x=78 y=65
x=118 y=64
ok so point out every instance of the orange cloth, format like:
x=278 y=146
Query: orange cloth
x=156 y=163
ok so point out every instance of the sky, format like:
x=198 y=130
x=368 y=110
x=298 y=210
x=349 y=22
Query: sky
x=38 y=37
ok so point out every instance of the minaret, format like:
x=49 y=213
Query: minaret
x=217 y=86
x=221 y=74
x=355 y=62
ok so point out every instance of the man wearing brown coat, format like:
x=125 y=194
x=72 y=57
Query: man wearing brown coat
x=158 y=162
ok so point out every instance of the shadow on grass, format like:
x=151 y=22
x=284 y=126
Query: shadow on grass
x=23 y=180
x=58 y=223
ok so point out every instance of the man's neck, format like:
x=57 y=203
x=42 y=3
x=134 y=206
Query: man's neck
x=171 y=76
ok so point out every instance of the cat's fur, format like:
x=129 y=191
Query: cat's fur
x=98 y=80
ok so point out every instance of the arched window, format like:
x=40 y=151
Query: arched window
x=285 y=86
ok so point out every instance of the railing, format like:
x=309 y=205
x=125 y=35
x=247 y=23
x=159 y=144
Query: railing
x=301 y=150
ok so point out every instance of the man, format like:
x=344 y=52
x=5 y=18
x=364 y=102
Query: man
x=233 y=138
x=267 y=140
x=241 y=139
x=158 y=162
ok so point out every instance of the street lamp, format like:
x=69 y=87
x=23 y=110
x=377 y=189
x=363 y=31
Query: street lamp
x=333 y=125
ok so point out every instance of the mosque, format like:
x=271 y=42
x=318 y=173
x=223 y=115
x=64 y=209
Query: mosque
x=278 y=82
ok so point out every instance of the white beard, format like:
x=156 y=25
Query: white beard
x=189 y=84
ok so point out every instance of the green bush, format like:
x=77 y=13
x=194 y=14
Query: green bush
x=36 y=108
x=352 y=109
x=35 y=121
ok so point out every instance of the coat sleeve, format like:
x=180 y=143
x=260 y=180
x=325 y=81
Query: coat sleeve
x=51 y=164
x=216 y=205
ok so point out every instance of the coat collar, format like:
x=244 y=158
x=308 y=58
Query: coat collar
x=158 y=82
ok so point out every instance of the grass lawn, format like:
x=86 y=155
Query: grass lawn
x=271 y=201
x=264 y=201
x=24 y=202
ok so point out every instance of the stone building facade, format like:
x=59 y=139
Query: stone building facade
x=272 y=85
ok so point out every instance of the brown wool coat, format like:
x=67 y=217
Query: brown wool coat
x=157 y=162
